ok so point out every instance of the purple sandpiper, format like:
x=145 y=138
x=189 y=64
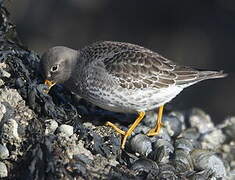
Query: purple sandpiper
x=121 y=77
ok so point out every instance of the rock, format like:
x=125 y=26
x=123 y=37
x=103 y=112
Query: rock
x=2 y=111
x=65 y=130
x=1 y=82
x=102 y=166
x=11 y=96
x=10 y=132
x=4 y=153
x=4 y=73
x=200 y=120
x=51 y=126
x=229 y=128
x=80 y=150
x=213 y=140
x=3 y=170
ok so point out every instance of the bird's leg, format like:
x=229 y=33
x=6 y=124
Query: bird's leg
x=159 y=123
x=129 y=131
x=115 y=128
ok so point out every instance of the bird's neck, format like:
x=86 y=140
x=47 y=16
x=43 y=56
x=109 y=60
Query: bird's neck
x=75 y=60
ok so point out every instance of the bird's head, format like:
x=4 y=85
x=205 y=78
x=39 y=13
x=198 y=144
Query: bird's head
x=57 y=64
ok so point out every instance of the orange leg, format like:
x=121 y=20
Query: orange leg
x=159 y=123
x=130 y=130
x=115 y=128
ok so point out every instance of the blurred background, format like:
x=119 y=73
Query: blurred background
x=196 y=33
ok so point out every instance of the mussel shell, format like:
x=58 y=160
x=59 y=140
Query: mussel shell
x=141 y=144
x=184 y=144
x=145 y=168
x=173 y=125
x=162 y=150
x=208 y=160
x=167 y=171
x=182 y=161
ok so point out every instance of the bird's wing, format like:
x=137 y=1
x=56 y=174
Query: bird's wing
x=134 y=66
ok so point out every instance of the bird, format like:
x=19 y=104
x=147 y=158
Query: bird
x=121 y=77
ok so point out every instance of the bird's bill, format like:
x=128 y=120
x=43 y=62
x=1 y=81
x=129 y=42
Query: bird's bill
x=49 y=83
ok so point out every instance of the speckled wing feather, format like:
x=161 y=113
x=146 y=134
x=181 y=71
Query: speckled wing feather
x=141 y=68
x=134 y=66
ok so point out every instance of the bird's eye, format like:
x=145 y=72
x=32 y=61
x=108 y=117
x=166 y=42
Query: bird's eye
x=54 y=68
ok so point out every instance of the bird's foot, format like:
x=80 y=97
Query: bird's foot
x=156 y=130
x=118 y=130
x=129 y=131
x=159 y=125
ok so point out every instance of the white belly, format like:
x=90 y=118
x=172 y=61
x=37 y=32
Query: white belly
x=135 y=100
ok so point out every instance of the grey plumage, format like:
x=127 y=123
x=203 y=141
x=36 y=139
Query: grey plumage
x=120 y=77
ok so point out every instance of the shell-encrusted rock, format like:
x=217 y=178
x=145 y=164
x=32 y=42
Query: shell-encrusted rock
x=208 y=160
x=11 y=96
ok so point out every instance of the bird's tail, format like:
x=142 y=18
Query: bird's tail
x=203 y=75
x=188 y=78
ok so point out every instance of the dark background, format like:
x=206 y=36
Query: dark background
x=196 y=33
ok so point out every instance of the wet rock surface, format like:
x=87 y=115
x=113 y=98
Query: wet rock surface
x=55 y=136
